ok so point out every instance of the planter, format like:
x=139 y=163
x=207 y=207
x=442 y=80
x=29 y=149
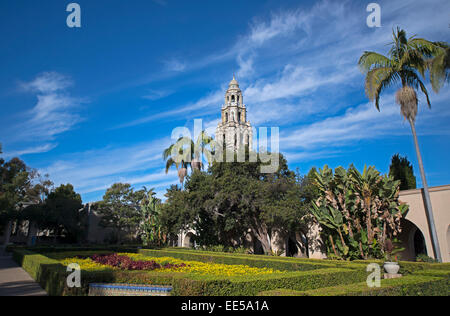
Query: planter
x=128 y=290
x=391 y=267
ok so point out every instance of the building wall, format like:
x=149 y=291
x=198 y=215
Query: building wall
x=440 y=200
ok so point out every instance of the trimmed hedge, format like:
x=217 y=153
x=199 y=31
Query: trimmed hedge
x=310 y=278
x=406 y=267
x=406 y=286
x=409 y=267
x=276 y=263
x=52 y=277
x=60 y=248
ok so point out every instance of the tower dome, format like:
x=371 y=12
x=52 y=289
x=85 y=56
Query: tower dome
x=234 y=82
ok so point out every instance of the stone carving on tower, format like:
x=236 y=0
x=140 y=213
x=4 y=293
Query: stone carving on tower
x=234 y=130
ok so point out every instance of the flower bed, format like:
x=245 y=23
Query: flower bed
x=133 y=261
x=211 y=277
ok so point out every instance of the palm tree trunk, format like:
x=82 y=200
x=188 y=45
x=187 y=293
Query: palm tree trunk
x=428 y=207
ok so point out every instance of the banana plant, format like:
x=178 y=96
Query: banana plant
x=150 y=223
x=357 y=211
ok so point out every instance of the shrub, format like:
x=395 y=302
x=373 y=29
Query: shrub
x=407 y=286
x=276 y=263
x=52 y=275
x=424 y=258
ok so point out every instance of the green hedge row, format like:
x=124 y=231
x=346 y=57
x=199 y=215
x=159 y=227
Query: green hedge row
x=61 y=248
x=407 y=286
x=276 y=263
x=52 y=277
x=406 y=267
x=409 y=267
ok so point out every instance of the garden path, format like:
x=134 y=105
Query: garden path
x=14 y=281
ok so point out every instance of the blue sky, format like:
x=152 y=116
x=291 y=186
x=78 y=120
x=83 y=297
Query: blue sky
x=97 y=105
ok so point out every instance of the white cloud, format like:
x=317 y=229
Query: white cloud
x=48 y=82
x=361 y=122
x=97 y=169
x=30 y=150
x=155 y=94
x=175 y=65
x=196 y=109
x=55 y=112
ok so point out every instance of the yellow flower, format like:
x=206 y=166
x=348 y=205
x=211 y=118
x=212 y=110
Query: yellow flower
x=194 y=267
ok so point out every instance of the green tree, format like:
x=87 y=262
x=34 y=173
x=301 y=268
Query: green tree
x=61 y=212
x=175 y=213
x=119 y=209
x=222 y=204
x=402 y=170
x=406 y=63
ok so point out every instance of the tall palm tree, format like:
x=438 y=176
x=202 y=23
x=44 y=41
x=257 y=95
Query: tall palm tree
x=185 y=153
x=405 y=63
x=439 y=66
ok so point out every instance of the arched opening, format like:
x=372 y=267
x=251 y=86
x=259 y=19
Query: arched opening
x=239 y=116
x=226 y=117
x=419 y=243
x=412 y=240
x=292 y=249
x=257 y=247
x=188 y=241
x=235 y=140
x=238 y=98
x=232 y=98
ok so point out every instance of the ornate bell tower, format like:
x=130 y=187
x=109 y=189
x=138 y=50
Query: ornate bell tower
x=234 y=130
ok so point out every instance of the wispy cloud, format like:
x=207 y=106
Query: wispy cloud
x=175 y=65
x=48 y=82
x=210 y=100
x=54 y=113
x=97 y=169
x=30 y=150
x=154 y=94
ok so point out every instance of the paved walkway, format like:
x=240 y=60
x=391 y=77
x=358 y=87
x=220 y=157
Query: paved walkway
x=14 y=281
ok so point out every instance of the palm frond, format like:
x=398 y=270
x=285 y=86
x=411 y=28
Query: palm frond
x=378 y=79
x=439 y=68
x=168 y=152
x=371 y=60
x=169 y=163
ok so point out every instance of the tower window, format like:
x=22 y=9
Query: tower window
x=232 y=98
x=239 y=116
x=238 y=98
x=235 y=140
x=226 y=117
